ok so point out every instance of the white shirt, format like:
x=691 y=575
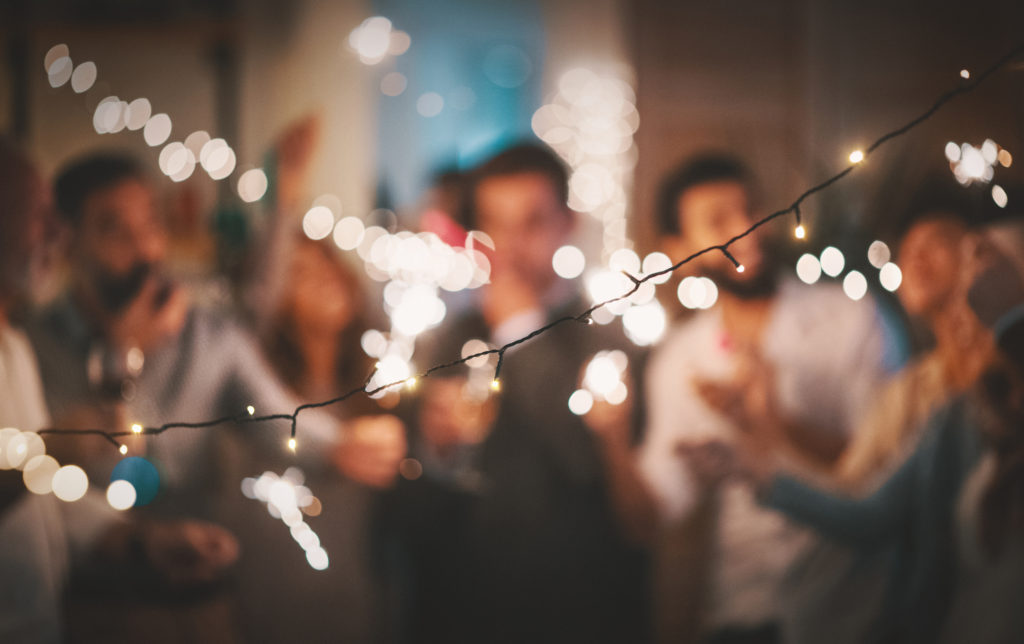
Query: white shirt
x=828 y=357
x=39 y=534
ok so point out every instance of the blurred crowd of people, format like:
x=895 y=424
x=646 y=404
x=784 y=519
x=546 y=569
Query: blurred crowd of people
x=781 y=469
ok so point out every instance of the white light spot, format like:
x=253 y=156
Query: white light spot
x=965 y=74
x=808 y=268
x=317 y=558
x=952 y=152
x=38 y=474
x=430 y=104
x=657 y=262
x=54 y=53
x=645 y=325
x=252 y=185
x=60 y=71
x=83 y=77
x=890 y=276
x=580 y=402
x=318 y=222
x=400 y=42
x=856 y=156
x=878 y=253
x=348 y=232
x=473 y=347
x=624 y=259
x=569 y=262
x=999 y=195
x=832 y=261
x=157 y=129
x=137 y=116
x=855 y=285
x=121 y=495
x=70 y=483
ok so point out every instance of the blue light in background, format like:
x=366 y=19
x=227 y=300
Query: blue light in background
x=484 y=59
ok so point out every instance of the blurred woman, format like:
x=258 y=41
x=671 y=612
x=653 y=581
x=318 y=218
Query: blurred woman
x=312 y=339
x=953 y=513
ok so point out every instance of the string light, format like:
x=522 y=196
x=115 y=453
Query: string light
x=582 y=317
x=123 y=449
x=856 y=156
x=291 y=444
x=250 y=410
x=965 y=74
x=137 y=428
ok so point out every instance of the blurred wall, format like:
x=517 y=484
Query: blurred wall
x=794 y=86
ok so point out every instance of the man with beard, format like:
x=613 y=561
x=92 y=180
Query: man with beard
x=126 y=334
x=793 y=364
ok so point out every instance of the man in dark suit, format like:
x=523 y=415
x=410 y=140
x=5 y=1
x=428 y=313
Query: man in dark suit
x=510 y=532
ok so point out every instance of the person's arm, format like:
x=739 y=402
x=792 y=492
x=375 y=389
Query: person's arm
x=632 y=500
x=867 y=522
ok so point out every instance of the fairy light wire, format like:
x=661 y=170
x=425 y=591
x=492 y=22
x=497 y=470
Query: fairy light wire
x=965 y=86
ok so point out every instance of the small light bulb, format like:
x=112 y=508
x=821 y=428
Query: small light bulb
x=800 y=232
x=856 y=156
x=123 y=449
x=964 y=73
x=740 y=268
x=496 y=385
x=137 y=428
x=251 y=410
x=411 y=382
x=291 y=444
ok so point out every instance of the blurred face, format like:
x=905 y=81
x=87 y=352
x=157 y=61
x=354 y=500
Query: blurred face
x=320 y=298
x=712 y=213
x=930 y=257
x=119 y=242
x=528 y=223
x=27 y=220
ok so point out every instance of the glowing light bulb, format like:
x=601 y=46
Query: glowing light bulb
x=495 y=385
x=800 y=232
x=123 y=449
x=291 y=444
x=965 y=74
x=740 y=268
x=136 y=428
x=411 y=383
x=856 y=156
x=250 y=409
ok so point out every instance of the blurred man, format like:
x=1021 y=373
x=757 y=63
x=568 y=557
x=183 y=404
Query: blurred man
x=510 y=528
x=43 y=538
x=126 y=333
x=792 y=364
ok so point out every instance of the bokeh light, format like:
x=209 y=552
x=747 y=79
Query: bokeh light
x=318 y=222
x=121 y=494
x=569 y=262
x=832 y=261
x=878 y=253
x=38 y=474
x=70 y=483
x=252 y=185
x=890 y=276
x=157 y=129
x=429 y=104
x=581 y=402
x=855 y=285
x=84 y=77
x=808 y=268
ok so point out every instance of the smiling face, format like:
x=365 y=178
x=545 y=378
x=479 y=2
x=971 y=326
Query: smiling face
x=524 y=217
x=119 y=241
x=321 y=296
x=710 y=214
x=930 y=257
